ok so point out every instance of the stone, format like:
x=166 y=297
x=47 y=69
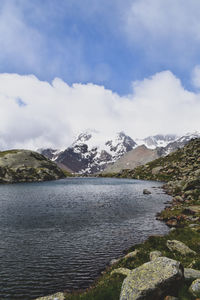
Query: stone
x=114 y=261
x=156 y=170
x=195 y=209
x=172 y=223
x=195 y=288
x=131 y=254
x=191 y=274
x=123 y=271
x=170 y=298
x=146 y=192
x=153 y=280
x=154 y=254
x=180 y=247
x=57 y=296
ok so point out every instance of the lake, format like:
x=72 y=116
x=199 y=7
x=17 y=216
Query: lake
x=59 y=235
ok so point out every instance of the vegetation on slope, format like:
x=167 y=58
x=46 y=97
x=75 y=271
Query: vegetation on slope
x=27 y=166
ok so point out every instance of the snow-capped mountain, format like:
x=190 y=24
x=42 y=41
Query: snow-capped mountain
x=159 y=140
x=92 y=152
x=178 y=143
x=52 y=154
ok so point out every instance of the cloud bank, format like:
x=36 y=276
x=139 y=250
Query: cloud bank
x=36 y=114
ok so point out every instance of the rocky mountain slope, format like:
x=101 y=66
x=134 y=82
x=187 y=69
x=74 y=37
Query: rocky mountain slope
x=91 y=152
x=136 y=157
x=182 y=165
x=27 y=166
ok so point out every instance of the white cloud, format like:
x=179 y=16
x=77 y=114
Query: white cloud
x=167 y=31
x=35 y=114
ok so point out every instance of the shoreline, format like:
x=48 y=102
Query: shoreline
x=110 y=265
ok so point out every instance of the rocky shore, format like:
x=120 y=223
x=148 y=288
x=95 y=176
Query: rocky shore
x=163 y=267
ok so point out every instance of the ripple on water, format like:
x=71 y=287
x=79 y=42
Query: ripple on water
x=59 y=235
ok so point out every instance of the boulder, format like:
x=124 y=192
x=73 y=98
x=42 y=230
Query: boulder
x=191 y=274
x=154 y=254
x=146 y=192
x=131 y=254
x=153 y=280
x=57 y=296
x=180 y=247
x=114 y=261
x=123 y=271
x=195 y=288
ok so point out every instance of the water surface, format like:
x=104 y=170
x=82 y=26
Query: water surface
x=58 y=235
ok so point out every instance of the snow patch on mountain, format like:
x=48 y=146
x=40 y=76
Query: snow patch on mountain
x=159 y=140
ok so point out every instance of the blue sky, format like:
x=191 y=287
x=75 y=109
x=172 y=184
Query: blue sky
x=109 y=65
x=111 y=43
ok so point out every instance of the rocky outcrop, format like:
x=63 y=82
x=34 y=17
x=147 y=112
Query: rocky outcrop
x=180 y=247
x=27 y=166
x=152 y=280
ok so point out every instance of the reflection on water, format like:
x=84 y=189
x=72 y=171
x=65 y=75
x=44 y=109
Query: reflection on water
x=58 y=235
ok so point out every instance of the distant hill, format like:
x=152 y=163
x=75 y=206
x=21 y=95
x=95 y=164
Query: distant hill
x=27 y=166
x=183 y=165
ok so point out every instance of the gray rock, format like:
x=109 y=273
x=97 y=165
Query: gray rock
x=131 y=254
x=154 y=254
x=146 y=192
x=57 y=296
x=191 y=274
x=195 y=288
x=122 y=271
x=114 y=261
x=180 y=247
x=152 y=280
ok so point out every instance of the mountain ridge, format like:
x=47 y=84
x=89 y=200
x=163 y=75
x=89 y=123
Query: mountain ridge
x=91 y=152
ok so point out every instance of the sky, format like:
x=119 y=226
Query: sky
x=109 y=65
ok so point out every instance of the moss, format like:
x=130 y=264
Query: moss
x=108 y=287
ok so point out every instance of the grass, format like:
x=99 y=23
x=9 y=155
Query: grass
x=108 y=286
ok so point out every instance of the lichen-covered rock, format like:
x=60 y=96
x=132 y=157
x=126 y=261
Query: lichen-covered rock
x=154 y=254
x=27 y=166
x=122 y=271
x=191 y=274
x=131 y=254
x=195 y=288
x=153 y=280
x=57 y=296
x=180 y=247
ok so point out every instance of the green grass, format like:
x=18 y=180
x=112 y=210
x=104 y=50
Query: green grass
x=108 y=286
